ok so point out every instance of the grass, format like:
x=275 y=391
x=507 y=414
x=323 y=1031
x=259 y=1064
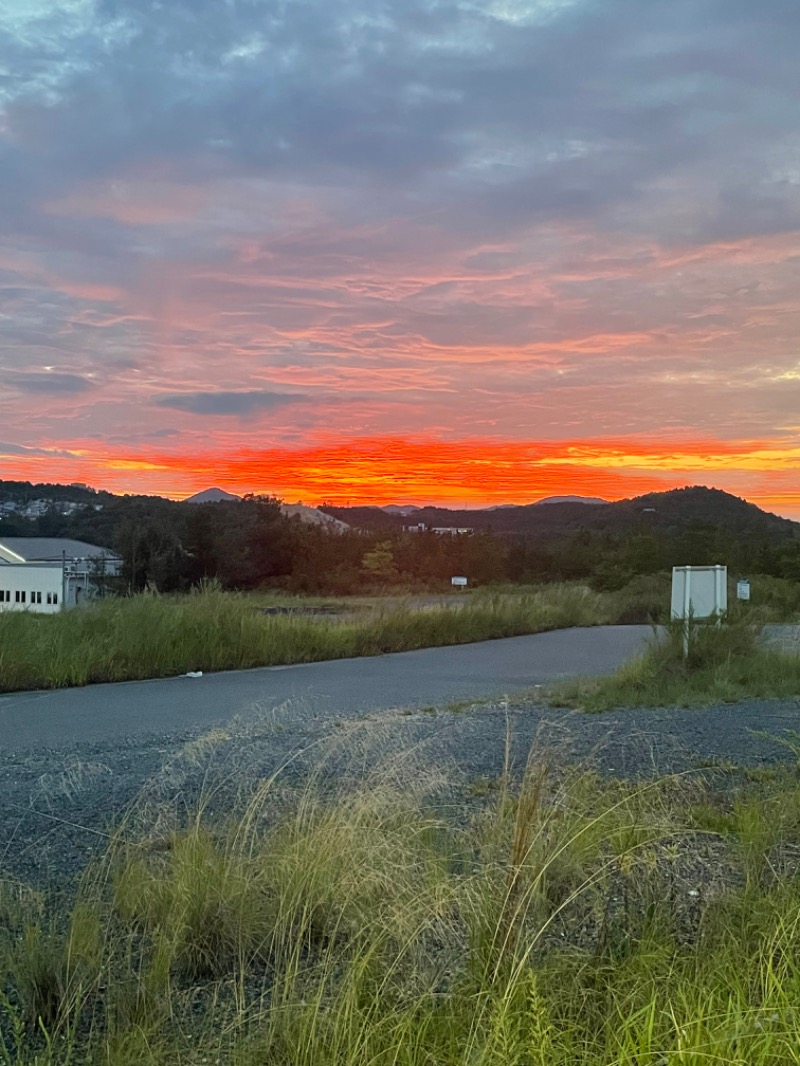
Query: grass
x=403 y=919
x=153 y=636
x=726 y=663
x=160 y=636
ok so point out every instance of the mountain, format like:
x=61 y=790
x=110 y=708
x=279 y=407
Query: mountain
x=400 y=508
x=594 y=500
x=212 y=496
x=667 y=513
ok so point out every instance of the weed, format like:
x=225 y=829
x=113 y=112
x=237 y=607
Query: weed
x=481 y=786
x=566 y=918
x=54 y=973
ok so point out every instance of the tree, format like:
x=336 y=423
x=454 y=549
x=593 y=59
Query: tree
x=379 y=562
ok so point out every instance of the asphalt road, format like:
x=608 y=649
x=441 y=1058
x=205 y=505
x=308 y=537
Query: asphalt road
x=72 y=762
x=431 y=677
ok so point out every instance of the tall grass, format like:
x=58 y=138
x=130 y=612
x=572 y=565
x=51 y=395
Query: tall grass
x=565 y=919
x=725 y=663
x=151 y=636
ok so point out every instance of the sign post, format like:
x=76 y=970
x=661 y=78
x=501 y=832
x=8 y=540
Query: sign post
x=458 y=582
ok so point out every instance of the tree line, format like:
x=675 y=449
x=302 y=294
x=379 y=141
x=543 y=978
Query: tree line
x=250 y=544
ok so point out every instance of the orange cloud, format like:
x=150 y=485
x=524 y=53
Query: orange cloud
x=456 y=473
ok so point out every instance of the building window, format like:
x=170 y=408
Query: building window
x=19 y=597
x=52 y=597
x=36 y=597
x=5 y=596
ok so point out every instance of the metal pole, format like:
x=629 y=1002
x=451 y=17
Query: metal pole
x=687 y=607
x=718 y=593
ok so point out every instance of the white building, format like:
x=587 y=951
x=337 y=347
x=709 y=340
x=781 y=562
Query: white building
x=448 y=531
x=45 y=574
x=37 y=587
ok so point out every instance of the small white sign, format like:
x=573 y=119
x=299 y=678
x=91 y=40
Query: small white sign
x=699 y=591
x=742 y=590
x=460 y=581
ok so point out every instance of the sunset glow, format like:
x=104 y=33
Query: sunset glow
x=450 y=253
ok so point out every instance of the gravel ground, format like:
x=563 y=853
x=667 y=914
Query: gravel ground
x=57 y=806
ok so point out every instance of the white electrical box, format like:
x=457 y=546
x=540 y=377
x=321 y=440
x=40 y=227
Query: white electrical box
x=699 y=591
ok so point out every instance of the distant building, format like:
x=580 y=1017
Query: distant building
x=451 y=531
x=46 y=574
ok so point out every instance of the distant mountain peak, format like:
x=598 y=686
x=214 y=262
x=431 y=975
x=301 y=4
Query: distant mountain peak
x=214 y=495
x=594 y=500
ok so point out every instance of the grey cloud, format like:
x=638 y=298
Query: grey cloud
x=228 y=403
x=418 y=103
x=6 y=448
x=50 y=383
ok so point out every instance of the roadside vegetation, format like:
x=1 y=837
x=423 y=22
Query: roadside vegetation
x=250 y=545
x=399 y=918
x=150 y=635
x=145 y=636
x=725 y=663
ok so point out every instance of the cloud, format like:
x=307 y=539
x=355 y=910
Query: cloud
x=6 y=448
x=229 y=403
x=447 y=106
x=567 y=216
x=51 y=382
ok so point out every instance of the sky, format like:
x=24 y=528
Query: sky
x=464 y=252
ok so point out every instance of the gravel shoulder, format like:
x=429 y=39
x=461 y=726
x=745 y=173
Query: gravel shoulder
x=72 y=763
x=58 y=805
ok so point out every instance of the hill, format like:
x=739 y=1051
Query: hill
x=571 y=499
x=313 y=516
x=667 y=513
x=214 y=495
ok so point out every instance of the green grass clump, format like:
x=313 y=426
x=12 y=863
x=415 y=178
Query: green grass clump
x=559 y=919
x=726 y=663
x=152 y=636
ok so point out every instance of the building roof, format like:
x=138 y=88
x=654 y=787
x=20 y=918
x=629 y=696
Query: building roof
x=49 y=549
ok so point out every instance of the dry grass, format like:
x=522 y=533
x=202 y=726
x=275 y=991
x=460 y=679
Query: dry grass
x=397 y=916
